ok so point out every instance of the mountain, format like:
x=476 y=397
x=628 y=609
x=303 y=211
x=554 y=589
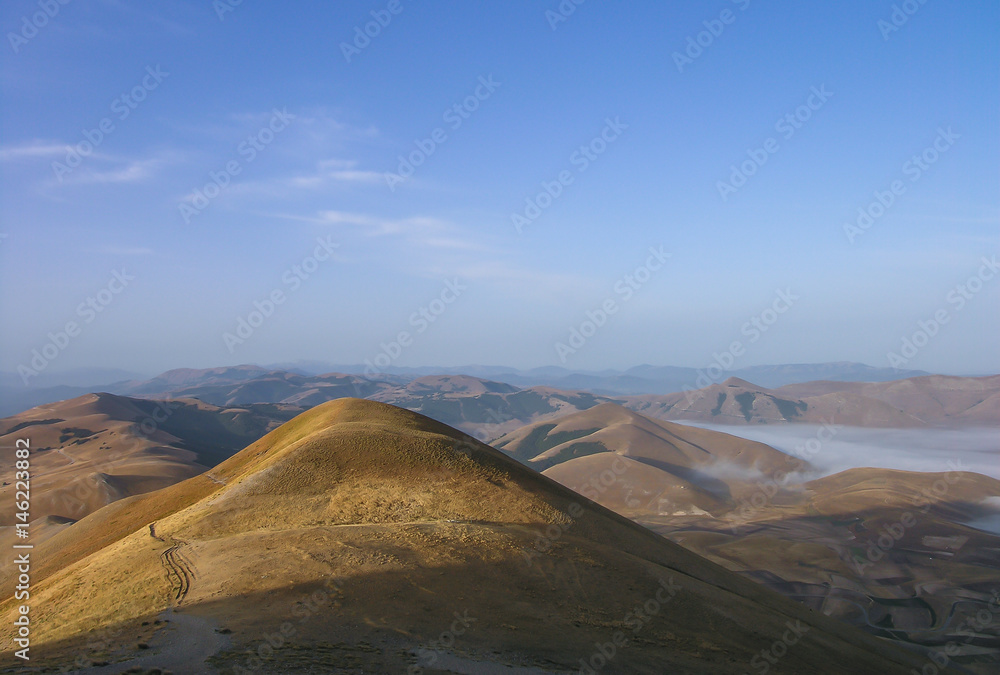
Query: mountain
x=936 y=399
x=897 y=553
x=17 y=399
x=77 y=377
x=95 y=449
x=47 y=387
x=489 y=408
x=737 y=401
x=841 y=371
x=647 y=379
x=263 y=387
x=657 y=466
x=916 y=402
x=891 y=552
x=360 y=537
x=172 y=380
x=484 y=408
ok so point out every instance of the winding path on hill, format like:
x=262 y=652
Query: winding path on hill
x=180 y=570
x=62 y=452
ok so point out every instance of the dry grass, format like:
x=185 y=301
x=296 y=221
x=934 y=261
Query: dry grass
x=363 y=493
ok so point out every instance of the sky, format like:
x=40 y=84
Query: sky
x=197 y=183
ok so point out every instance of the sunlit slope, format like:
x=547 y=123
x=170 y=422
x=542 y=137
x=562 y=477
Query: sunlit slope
x=408 y=522
x=90 y=451
x=646 y=466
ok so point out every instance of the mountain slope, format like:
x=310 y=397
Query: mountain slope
x=896 y=553
x=658 y=467
x=737 y=401
x=484 y=408
x=935 y=399
x=94 y=449
x=417 y=547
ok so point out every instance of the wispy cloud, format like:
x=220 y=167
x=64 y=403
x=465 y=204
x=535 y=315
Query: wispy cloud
x=334 y=171
x=423 y=229
x=33 y=150
x=133 y=172
x=117 y=169
x=94 y=167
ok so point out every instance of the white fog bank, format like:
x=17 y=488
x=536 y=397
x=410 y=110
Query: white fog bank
x=928 y=450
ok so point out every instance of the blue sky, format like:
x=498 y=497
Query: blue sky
x=311 y=129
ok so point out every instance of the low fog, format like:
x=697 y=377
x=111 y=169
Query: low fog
x=930 y=450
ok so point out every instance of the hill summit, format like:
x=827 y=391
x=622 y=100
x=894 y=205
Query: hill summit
x=360 y=537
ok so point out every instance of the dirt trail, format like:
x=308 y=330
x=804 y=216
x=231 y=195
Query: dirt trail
x=181 y=646
x=180 y=570
x=214 y=479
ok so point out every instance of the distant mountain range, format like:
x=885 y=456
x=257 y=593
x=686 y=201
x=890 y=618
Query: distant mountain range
x=488 y=408
x=643 y=379
x=913 y=402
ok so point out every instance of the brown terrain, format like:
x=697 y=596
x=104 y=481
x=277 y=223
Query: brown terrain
x=658 y=467
x=934 y=400
x=810 y=540
x=360 y=537
x=95 y=449
x=483 y=408
x=885 y=550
